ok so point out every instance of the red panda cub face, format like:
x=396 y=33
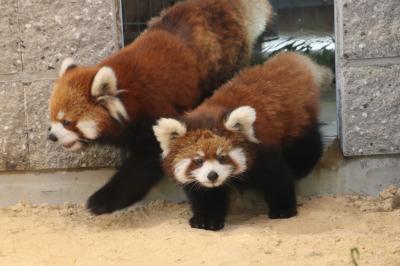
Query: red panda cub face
x=83 y=105
x=199 y=156
x=203 y=156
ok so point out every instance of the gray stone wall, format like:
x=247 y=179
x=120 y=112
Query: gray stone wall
x=35 y=36
x=368 y=76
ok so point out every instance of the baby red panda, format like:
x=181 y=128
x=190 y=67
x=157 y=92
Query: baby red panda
x=189 y=50
x=260 y=130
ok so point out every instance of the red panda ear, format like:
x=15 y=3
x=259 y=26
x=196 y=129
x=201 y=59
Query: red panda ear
x=104 y=90
x=104 y=83
x=166 y=130
x=241 y=120
x=67 y=64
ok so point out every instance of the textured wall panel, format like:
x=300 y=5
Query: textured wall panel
x=371 y=28
x=13 y=140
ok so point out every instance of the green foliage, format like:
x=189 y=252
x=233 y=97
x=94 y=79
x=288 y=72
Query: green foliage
x=355 y=255
x=323 y=56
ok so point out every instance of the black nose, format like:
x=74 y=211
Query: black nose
x=52 y=137
x=212 y=176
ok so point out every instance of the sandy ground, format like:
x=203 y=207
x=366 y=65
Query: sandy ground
x=324 y=233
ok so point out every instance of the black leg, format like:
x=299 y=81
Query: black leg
x=275 y=180
x=303 y=154
x=281 y=200
x=138 y=174
x=209 y=207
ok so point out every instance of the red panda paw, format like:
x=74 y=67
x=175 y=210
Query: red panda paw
x=213 y=223
x=107 y=200
x=283 y=213
x=101 y=203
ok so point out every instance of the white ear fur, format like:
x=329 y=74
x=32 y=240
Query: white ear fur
x=241 y=120
x=65 y=65
x=167 y=129
x=104 y=89
x=104 y=83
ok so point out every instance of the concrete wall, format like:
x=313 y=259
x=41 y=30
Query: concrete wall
x=35 y=36
x=335 y=175
x=368 y=67
x=59 y=187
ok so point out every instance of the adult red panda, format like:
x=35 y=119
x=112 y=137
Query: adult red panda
x=259 y=129
x=189 y=50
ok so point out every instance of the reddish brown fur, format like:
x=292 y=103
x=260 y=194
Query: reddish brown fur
x=77 y=81
x=283 y=92
x=191 y=49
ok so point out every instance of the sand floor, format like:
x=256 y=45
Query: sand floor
x=324 y=233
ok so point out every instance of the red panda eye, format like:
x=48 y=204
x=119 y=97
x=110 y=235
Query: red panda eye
x=221 y=159
x=198 y=161
x=66 y=123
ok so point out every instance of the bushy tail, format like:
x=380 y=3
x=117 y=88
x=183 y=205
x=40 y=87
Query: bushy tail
x=323 y=77
x=257 y=14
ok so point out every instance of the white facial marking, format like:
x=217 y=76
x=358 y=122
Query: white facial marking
x=165 y=130
x=201 y=154
x=201 y=174
x=60 y=115
x=75 y=147
x=67 y=138
x=242 y=120
x=116 y=108
x=180 y=170
x=239 y=157
x=88 y=128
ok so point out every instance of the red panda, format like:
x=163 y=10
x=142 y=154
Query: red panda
x=259 y=128
x=193 y=47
